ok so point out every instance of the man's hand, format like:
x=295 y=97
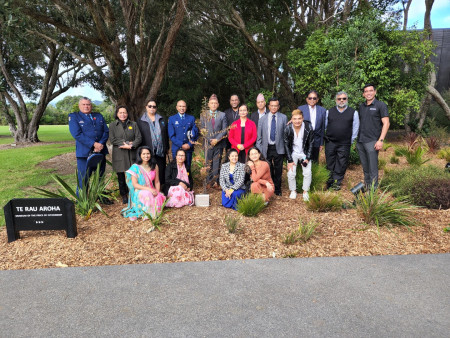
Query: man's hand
x=320 y=148
x=240 y=146
x=290 y=166
x=213 y=142
x=378 y=145
x=185 y=146
x=270 y=187
x=125 y=146
x=98 y=147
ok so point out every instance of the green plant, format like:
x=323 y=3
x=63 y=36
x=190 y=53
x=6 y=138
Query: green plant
x=446 y=229
x=399 y=151
x=414 y=157
x=394 y=160
x=387 y=145
x=250 y=205
x=88 y=195
x=411 y=139
x=302 y=233
x=354 y=156
x=433 y=144
x=379 y=208
x=381 y=164
x=232 y=224
x=432 y=193
x=323 y=201
x=158 y=219
x=320 y=176
x=445 y=154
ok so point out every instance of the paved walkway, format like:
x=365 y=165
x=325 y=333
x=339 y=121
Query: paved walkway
x=383 y=296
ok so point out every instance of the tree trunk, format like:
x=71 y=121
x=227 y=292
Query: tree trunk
x=440 y=100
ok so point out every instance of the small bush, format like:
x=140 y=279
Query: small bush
x=320 y=176
x=381 y=164
x=432 y=193
x=386 y=146
x=445 y=154
x=433 y=144
x=323 y=201
x=251 y=205
x=411 y=139
x=158 y=219
x=414 y=157
x=303 y=233
x=232 y=224
x=400 y=151
x=394 y=160
x=354 y=156
x=377 y=207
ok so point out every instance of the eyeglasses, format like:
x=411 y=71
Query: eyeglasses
x=341 y=99
x=312 y=98
x=150 y=106
x=181 y=155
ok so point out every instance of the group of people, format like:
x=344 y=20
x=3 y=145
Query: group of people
x=256 y=146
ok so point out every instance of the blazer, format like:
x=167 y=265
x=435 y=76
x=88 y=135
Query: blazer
x=147 y=137
x=179 y=130
x=171 y=177
x=86 y=132
x=238 y=176
x=319 y=130
x=255 y=117
x=231 y=115
x=308 y=140
x=219 y=131
x=122 y=159
x=251 y=133
x=262 y=142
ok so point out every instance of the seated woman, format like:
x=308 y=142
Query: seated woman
x=143 y=182
x=262 y=182
x=231 y=180
x=243 y=133
x=179 y=182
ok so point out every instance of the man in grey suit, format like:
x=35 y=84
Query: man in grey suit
x=215 y=123
x=270 y=141
x=316 y=115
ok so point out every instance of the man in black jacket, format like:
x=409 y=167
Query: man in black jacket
x=298 y=143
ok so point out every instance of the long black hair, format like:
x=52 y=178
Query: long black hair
x=152 y=162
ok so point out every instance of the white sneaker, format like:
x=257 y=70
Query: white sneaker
x=293 y=195
x=305 y=196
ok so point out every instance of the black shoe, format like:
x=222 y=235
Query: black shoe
x=125 y=199
x=105 y=201
x=278 y=193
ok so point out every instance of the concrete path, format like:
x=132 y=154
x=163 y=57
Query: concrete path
x=383 y=296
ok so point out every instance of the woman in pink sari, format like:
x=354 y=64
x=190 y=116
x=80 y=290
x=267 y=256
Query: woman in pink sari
x=179 y=182
x=143 y=183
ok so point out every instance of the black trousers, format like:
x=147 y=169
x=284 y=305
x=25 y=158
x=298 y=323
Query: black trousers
x=161 y=162
x=315 y=154
x=337 y=156
x=276 y=166
x=123 y=188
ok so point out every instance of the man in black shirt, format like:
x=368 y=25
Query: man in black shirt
x=232 y=114
x=374 y=125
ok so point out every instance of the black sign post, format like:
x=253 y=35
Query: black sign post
x=39 y=214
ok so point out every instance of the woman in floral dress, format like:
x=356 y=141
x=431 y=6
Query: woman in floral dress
x=179 y=182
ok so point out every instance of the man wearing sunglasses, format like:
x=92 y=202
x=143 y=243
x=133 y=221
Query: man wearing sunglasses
x=316 y=115
x=341 y=125
x=374 y=125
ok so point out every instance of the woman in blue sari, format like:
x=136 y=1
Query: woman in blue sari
x=232 y=176
x=143 y=183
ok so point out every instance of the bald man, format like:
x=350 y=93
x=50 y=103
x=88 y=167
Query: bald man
x=182 y=132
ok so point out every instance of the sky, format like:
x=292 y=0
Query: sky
x=440 y=18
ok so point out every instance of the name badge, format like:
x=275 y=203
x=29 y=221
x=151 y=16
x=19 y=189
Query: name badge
x=373 y=109
x=176 y=122
x=81 y=122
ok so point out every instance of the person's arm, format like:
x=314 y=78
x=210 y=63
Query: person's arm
x=115 y=139
x=172 y=135
x=310 y=145
x=138 y=186
x=77 y=132
x=252 y=132
x=384 y=130
x=165 y=135
x=326 y=121
x=238 y=176
x=259 y=136
x=257 y=176
x=222 y=177
x=157 y=184
x=105 y=135
x=355 y=126
x=232 y=135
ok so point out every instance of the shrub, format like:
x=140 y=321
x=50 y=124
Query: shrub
x=320 y=176
x=433 y=144
x=88 y=196
x=386 y=146
x=411 y=139
x=303 y=233
x=445 y=154
x=250 y=205
x=400 y=151
x=394 y=160
x=323 y=201
x=414 y=157
x=432 y=193
x=159 y=217
x=354 y=156
x=232 y=224
x=377 y=207
x=381 y=164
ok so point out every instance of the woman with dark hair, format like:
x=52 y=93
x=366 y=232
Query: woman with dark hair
x=179 y=182
x=243 y=133
x=125 y=137
x=143 y=182
x=153 y=129
x=261 y=180
x=232 y=176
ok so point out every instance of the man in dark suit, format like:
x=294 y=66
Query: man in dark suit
x=90 y=133
x=182 y=132
x=231 y=114
x=262 y=110
x=270 y=141
x=316 y=115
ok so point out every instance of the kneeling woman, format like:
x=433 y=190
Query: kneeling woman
x=143 y=182
x=232 y=175
x=261 y=180
x=179 y=182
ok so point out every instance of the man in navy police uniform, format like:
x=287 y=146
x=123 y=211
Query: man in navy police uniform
x=90 y=133
x=183 y=132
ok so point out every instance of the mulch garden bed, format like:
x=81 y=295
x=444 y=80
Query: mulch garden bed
x=199 y=234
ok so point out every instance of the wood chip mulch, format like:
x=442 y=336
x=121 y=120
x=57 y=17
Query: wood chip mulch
x=199 y=234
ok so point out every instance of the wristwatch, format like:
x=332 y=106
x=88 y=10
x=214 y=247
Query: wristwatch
x=381 y=140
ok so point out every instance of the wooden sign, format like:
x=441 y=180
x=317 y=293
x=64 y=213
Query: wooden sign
x=28 y=214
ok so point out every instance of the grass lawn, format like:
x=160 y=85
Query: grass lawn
x=58 y=133
x=18 y=171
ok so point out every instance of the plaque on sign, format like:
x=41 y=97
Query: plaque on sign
x=39 y=214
